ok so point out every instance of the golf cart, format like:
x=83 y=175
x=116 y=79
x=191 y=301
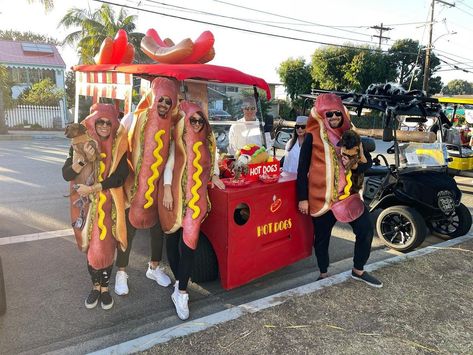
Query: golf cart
x=415 y=193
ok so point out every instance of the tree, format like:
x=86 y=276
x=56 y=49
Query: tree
x=458 y=87
x=350 y=68
x=43 y=93
x=295 y=75
x=70 y=84
x=48 y=4
x=95 y=26
x=11 y=35
x=4 y=88
x=409 y=59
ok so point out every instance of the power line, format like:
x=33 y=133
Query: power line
x=381 y=29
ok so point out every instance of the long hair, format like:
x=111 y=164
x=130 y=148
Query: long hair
x=293 y=140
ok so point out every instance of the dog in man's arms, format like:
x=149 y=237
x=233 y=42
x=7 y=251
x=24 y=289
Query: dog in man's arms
x=352 y=154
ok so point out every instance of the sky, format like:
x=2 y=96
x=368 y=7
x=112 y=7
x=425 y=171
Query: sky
x=331 y=22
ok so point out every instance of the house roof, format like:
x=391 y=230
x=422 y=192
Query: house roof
x=21 y=54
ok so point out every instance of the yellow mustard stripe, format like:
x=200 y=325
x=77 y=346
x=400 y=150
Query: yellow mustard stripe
x=154 y=168
x=197 y=181
x=102 y=199
x=346 y=190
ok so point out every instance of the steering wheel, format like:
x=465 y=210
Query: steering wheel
x=390 y=150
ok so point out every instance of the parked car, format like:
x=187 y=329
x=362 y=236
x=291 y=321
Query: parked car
x=219 y=115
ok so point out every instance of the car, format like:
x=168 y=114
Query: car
x=219 y=115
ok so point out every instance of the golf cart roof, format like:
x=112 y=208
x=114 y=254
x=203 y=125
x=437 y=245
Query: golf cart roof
x=206 y=72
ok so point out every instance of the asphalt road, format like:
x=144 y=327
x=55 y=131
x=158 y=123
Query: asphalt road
x=47 y=281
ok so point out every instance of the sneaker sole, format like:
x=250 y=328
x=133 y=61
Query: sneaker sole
x=366 y=282
x=175 y=306
x=159 y=283
x=121 y=293
x=107 y=306
x=91 y=306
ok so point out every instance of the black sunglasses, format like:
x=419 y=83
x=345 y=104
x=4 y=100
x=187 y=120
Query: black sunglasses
x=301 y=126
x=166 y=101
x=330 y=114
x=101 y=122
x=195 y=121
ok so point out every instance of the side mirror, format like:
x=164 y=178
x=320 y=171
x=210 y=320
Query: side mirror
x=282 y=138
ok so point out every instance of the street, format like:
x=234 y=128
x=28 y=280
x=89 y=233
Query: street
x=47 y=281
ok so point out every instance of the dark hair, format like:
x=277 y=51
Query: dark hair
x=293 y=140
x=349 y=139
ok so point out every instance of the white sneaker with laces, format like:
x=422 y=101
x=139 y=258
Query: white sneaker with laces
x=121 y=283
x=159 y=276
x=181 y=303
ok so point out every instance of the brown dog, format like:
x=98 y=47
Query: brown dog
x=352 y=154
x=79 y=136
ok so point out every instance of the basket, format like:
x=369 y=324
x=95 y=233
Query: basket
x=229 y=182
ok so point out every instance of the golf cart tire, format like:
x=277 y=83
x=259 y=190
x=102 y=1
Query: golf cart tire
x=205 y=262
x=410 y=219
x=3 y=297
x=464 y=224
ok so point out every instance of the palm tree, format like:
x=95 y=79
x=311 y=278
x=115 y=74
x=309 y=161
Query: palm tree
x=95 y=26
x=48 y=4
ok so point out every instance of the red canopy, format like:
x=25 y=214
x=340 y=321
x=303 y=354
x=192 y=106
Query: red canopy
x=206 y=72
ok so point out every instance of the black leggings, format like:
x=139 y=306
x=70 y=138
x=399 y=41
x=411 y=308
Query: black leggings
x=156 y=241
x=363 y=229
x=181 y=258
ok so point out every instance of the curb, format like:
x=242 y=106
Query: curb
x=197 y=325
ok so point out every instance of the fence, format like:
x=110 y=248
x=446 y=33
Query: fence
x=45 y=116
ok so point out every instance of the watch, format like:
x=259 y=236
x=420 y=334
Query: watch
x=81 y=163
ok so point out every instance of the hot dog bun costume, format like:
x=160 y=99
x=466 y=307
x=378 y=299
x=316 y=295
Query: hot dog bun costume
x=105 y=223
x=327 y=183
x=149 y=139
x=193 y=168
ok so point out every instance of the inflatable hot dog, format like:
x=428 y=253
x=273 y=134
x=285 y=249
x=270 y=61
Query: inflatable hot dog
x=194 y=154
x=104 y=223
x=149 y=139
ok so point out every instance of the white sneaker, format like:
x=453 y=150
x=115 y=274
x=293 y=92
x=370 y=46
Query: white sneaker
x=181 y=303
x=121 y=283
x=159 y=276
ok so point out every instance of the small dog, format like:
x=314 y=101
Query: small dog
x=352 y=155
x=79 y=136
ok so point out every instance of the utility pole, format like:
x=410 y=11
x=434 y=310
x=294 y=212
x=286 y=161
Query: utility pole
x=380 y=36
x=425 y=84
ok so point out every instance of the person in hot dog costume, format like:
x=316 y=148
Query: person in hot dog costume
x=328 y=196
x=193 y=153
x=149 y=138
x=98 y=210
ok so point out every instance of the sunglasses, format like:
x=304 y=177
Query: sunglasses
x=101 y=122
x=301 y=126
x=195 y=121
x=329 y=114
x=166 y=101
x=249 y=108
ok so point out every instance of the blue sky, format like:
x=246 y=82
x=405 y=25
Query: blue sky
x=334 y=21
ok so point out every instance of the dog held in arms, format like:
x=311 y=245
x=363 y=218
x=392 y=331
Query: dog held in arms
x=79 y=137
x=352 y=154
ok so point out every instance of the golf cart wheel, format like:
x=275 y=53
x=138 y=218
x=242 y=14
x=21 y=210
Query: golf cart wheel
x=205 y=262
x=401 y=228
x=452 y=226
x=3 y=299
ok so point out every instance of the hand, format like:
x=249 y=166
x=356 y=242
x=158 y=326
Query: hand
x=89 y=151
x=167 y=199
x=84 y=190
x=217 y=182
x=304 y=206
x=363 y=159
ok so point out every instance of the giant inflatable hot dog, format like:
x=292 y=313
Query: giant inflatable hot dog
x=104 y=224
x=194 y=156
x=149 y=139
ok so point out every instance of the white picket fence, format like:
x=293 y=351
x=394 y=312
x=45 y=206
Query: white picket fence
x=45 y=116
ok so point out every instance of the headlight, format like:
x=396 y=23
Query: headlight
x=445 y=201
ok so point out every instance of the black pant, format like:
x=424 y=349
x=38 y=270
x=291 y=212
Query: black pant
x=363 y=229
x=100 y=277
x=181 y=258
x=156 y=241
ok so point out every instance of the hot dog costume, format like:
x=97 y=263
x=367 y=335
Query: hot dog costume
x=149 y=139
x=193 y=168
x=104 y=224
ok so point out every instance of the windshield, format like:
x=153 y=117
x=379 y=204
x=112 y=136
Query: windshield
x=422 y=155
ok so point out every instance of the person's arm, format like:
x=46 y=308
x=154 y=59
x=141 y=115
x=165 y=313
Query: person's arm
x=70 y=170
x=303 y=169
x=118 y=177
x=167 y=176
x=231 y=140
x=363 y=167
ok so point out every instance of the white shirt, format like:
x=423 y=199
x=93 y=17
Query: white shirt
x=291 y=160
x=244 y=132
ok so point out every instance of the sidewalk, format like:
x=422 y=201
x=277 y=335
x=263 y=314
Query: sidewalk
x=425 y=306
x=29 y=135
